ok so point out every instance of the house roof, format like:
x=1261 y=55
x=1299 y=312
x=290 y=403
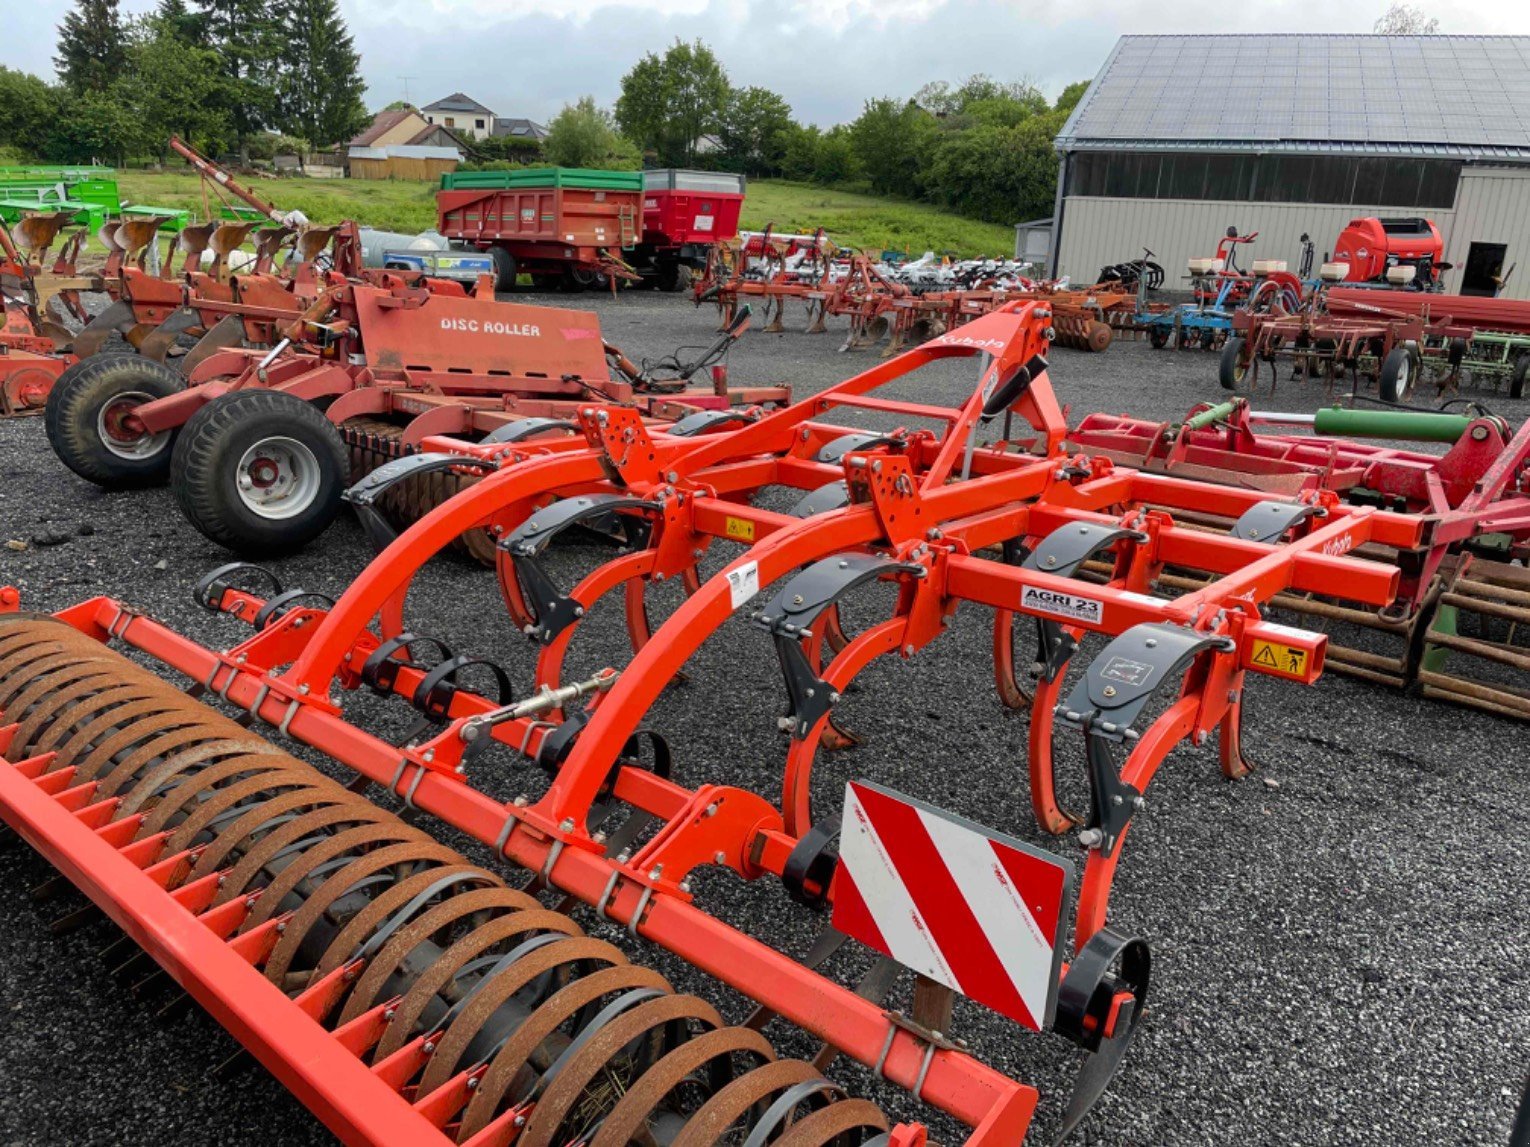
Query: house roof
x=525 y=128
x=437 y=133
x=458 y=102
x=382 y=123
x=1458 y=96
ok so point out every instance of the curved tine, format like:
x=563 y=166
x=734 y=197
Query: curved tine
x=607 y=577
x=864 y=648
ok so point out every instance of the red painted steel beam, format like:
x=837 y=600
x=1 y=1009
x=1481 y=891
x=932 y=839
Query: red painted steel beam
x=328 y=1080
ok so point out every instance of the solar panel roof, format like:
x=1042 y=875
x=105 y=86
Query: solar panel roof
x=1459 y=96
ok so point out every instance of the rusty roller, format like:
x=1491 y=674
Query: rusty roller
x=369 y=443
x=480 y=1004
x=1080 y=329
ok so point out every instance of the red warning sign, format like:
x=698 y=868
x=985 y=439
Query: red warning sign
x=978 y=912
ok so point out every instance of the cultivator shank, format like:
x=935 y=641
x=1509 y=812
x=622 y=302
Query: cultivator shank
x=495 y=1019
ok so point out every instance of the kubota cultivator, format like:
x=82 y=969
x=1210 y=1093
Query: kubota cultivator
x=411 y=998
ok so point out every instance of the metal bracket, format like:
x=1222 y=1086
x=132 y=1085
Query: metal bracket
x=211 y=586
x=523 y=429
x=1114 y=691
x=276 y=608
x=830 y=496
x=790 y=614
x=554 y=610
x=380 y=671
x=364 y=495
x=705 y=421
x=434 y=694
x=627 y=450
x=833 y=452
x=1269 y=521
x=1061 y=553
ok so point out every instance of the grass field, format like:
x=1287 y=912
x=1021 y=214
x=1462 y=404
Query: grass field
x=855 y=220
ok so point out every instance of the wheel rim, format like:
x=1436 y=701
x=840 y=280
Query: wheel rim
x=117 y=433
x=278 y=478
x=1404 y=376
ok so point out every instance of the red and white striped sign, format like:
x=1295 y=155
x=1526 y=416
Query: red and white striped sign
x=977 y=912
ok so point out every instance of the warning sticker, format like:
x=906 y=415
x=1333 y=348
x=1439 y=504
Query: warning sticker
x=1287 y=660
x=1061 y=604
x=1127 y=672
x=744 y=583
x=741 y=529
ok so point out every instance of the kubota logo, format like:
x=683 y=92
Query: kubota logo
x=1339 y=545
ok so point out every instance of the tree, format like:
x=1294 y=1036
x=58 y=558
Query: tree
x=28 y=109
x=836 y=160
x=670 y=102
x=320 y=86
x=585 y=135
x=180 y=23
x=95 y=126
x=890 y=141
x=1406 y=20
x=751 y=128
x=246 y=36
x=1070 y=96
x=798 y=147
x=92 y=48
x=176 y=88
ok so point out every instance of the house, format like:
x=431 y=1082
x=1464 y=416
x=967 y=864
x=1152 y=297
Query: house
x=518 y=129
x=402 y=144
x=1180 y=137
x=462 y=114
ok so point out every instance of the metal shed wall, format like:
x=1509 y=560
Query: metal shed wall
x=1492 y=206
x=1100 y=231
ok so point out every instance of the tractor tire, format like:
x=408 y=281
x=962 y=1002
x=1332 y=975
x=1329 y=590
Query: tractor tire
x=260 y=472
x=1399 y=374
x=505 y=270
x=1517 y=376
x=83 y=420
x=674 y=277
x=1233 y=366
x=1159 y=336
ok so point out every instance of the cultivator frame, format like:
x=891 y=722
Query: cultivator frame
x=916 y=507
x=1474 y=499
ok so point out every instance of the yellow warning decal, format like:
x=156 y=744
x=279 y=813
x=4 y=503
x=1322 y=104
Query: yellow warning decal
x=740 y=529
x=1288 y=660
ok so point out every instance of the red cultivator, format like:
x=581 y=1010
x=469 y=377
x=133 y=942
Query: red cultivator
x=777 y=268
x=1458 y=625
x=410 y=998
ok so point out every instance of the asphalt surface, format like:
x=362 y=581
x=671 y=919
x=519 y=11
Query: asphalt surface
x=1340 y=951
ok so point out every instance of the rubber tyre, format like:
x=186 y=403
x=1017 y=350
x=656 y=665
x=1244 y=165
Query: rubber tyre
x=674 y=277
x=1231 y=370
x=1399 y=374
x=1517 y=377
x=208 y=454
x=1159 y=336
x=72 y=418
x=505 y=269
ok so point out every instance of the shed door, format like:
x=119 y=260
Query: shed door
x=1484 y=269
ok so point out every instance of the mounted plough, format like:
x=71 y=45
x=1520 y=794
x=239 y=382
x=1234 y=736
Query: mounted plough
x=35 y=300
x=424 y=1001
x=1460 y=624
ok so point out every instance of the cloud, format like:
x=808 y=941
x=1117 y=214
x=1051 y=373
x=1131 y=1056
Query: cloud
x=826 y=57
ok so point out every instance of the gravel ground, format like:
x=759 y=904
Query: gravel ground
x=1340 y=943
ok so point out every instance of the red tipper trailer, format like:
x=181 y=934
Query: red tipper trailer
x=565 y=226
x=570 y=227
x=684 y=214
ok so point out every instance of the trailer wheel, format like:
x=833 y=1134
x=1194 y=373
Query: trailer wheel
x=87 y=419
x=674 y=277
x=260 y=472
x=1233 y=366
x=1399 y=372
x=1158 y=337
x=504 y=269
x=576 y=279
x=1517 y=377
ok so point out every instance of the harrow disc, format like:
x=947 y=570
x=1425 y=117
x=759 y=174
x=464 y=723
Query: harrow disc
x=479 y=1007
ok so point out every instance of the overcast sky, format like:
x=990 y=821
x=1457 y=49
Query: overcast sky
x=825 y=56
